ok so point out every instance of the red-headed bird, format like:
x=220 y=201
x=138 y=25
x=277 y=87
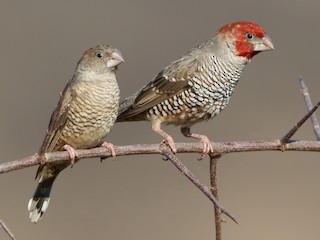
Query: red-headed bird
x=198 y=85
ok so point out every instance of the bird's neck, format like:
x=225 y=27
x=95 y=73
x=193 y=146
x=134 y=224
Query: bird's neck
x=228 y=72
x=224 y=50
x=93 y=76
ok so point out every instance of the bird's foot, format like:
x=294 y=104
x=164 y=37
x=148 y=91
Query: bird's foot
x=169 y=142
x=207 y=147
x=110 y=147
x=41 y=159
x=72 y=153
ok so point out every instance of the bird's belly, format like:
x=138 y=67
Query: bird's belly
x=88 y=132
x=182 y=117
x=186 y=113
x=89 y=138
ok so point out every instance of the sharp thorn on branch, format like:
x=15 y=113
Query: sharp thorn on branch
x=295 y=128
x=307 y=99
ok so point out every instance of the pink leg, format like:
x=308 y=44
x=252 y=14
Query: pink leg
x=110 y=147
x=207 y=147
x=168 y=139
x=72 y=153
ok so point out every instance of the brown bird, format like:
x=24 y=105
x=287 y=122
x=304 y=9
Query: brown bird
x=85 y=114
x=198 y=85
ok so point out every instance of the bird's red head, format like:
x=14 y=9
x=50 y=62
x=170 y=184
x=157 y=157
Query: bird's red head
x=249 y=38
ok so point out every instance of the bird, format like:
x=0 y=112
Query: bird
x=197 y=86
x=85 y=114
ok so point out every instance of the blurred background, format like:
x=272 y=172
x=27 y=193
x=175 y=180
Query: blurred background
x=274 y=195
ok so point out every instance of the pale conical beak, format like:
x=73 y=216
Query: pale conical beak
x=116 y=58
x=264 y=44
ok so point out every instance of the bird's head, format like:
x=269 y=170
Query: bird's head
x=245 y=38
x=100 y=59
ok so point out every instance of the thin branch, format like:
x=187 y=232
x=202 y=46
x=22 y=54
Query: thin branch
x=218 y=147
x=214 y=189
x=295 y=128
x=168 y=153
x=6 y=229
x=307 y=99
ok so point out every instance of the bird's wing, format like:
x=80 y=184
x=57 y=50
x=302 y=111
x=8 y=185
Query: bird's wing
x=169 y=82
x=57 y=122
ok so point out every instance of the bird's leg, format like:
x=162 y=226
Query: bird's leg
x=72 y=153
x=110 y=147
x=207 y=147
x=156 y=126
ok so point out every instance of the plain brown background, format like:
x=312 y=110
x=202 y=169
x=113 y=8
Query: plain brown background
x=274 y=195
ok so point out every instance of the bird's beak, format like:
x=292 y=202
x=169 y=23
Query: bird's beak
x=116 y=58
x=264 y=44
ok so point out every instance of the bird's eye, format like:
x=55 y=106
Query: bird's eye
x=99 y=55
x=249 y=36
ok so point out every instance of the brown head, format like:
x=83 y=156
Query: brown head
x=100 y=59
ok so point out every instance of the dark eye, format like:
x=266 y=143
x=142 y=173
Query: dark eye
x=99 y=55
x=249 y=36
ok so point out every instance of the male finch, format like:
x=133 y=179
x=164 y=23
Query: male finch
x=198 y=85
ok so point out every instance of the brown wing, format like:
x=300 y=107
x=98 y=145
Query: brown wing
x=169 y=82
x=57 y=122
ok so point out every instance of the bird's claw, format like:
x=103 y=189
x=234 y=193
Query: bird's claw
x=169 y=142
x=207 y=147
x=72 y=153
x=110 y=147
x=165 y=158
x=41 y=159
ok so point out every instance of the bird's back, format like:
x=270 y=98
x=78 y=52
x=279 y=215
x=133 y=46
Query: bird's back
x=196 y=87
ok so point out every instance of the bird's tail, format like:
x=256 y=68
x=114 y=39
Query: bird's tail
x=126 y=104
x=38 y=204
x=124 y=109
x=128 y=112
